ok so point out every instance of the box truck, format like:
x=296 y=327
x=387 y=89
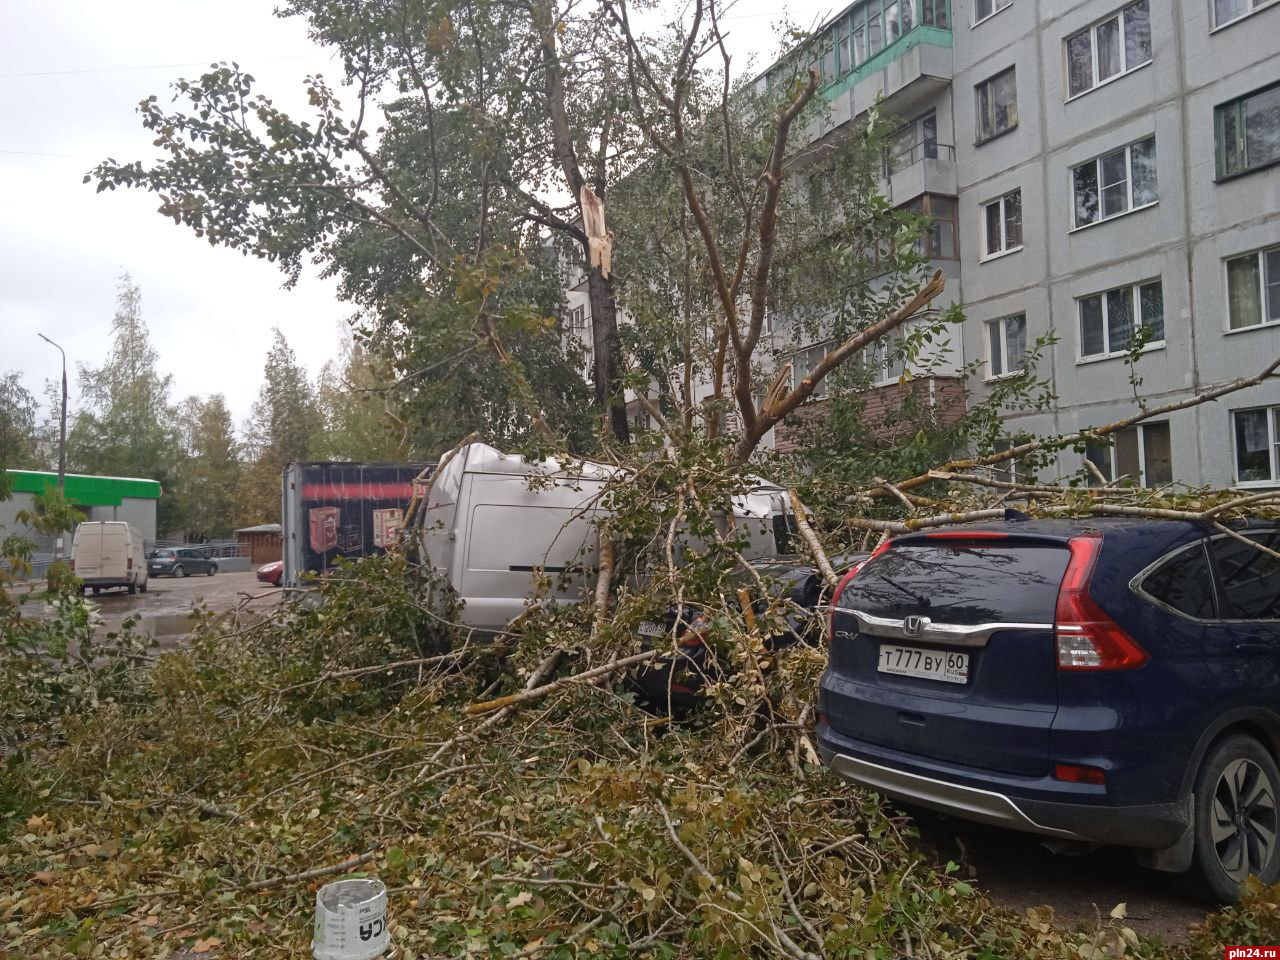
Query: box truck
x=332 y=510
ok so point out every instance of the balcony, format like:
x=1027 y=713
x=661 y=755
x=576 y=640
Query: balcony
x=924 y=166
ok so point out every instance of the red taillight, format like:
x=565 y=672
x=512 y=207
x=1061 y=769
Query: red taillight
x=844 y=582
x=1087 y=638
x=1073 y=773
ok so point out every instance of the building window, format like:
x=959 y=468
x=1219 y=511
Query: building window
x=1115 y=183
x=1108 y=49
x=938 y=241
x=997 y=105
x=1248 y=132
x=1006 y=345
x=1227 y=11
x=933 y=13
x=916 y=141
x=1007 y=471
x=1002 y=223
x=1107 y=320
x=1142 y=454
x=577 y=319
x=1257 y=443
x=985 y=8
x=1253 y=289
x=803 y=363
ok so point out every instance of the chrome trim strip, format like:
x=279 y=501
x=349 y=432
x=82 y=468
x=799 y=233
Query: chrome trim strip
x=924 y=629
x=971 y=803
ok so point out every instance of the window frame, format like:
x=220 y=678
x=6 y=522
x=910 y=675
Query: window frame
x=1092 y=30
x=1140 y=429
x=1135 y=298
x=981 y=137
x=1006 y=371
x=996 y=7
x=1273 y=448
x=1128 y=173
x=1219 y=146
x=1005 y=249
x=1255 y=6
x=1259 y=256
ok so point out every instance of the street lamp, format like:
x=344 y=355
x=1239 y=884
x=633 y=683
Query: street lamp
x=62 y=432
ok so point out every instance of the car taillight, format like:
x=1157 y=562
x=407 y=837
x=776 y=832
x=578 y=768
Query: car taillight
x=844 y=582
x=1087 y=638
x=1074 y=773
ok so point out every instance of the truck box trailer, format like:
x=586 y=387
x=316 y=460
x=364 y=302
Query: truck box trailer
x=333 y=510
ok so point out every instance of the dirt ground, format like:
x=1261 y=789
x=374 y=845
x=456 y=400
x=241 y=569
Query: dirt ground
x=1017 y=871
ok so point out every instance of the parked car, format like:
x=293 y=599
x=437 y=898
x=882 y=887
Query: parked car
x=180 y=562
x=272 y=572
x=108 y=553
x=1112 y=681
x=674 y=681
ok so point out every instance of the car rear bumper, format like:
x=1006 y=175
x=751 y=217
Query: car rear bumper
x=106 y=581
x=1002 y=800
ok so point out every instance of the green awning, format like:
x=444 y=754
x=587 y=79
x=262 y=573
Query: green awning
x=85 y=490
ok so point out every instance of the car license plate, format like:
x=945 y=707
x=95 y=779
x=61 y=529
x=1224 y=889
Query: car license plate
x=650 y=629
x=947 y=665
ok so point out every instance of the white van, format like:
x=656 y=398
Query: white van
x=494 y=521
x=108 y=553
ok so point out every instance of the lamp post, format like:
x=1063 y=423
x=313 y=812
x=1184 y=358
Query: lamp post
x=62 y=430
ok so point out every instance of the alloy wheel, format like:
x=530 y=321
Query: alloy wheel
x=1243 y=827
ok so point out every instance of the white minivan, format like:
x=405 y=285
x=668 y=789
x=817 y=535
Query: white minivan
x=109 y=553
x=494 y=523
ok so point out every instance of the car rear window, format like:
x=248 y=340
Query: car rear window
x=162 y=554
x=962 y=581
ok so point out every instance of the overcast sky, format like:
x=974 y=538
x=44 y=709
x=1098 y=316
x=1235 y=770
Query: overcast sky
x=71 y=75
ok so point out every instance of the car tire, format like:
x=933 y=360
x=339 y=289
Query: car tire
x=1236 y=795
x=213 y=568
x=133 y=588
x=178 y=571
x=142 y=588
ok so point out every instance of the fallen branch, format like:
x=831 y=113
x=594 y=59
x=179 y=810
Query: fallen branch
x=811 y=541
x=342 y=867
x=379 y=668
x=537 y=693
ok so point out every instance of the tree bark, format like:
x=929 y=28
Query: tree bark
x=604 y=341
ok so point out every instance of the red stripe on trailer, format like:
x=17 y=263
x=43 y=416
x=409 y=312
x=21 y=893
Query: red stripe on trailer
x=357 y=491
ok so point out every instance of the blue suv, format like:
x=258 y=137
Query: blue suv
x=1111 y=681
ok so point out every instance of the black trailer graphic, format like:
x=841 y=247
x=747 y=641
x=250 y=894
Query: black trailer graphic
x=334 y=510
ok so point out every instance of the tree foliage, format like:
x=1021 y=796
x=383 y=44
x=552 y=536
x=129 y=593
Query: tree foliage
x=17 y=425
x=209 y=478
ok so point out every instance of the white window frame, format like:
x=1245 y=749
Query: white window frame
x=1273 y=445
x=1135 y=298
x=1141 y=429
x=982 y=137
x=1005 y=249
x=577 y=319
x=1260 y=256
x=1128 y=173
x=996 y=7
x=1125 y=69
x=1255 y=6
x=1005 y=368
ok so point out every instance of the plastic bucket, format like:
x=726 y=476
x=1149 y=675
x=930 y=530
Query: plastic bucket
x=351 y=921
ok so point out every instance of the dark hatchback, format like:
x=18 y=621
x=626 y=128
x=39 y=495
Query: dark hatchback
x=181 y=562
x=1113 y=681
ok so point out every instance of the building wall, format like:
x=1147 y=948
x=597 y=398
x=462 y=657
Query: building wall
x=137 y=511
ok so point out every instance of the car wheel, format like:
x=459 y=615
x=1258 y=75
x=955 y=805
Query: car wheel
x=213 y=568
x=143 y=586
x=178 y=571
x=1236 y=829
x=133 y=588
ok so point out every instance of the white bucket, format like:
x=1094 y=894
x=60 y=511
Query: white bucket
x=351 y=921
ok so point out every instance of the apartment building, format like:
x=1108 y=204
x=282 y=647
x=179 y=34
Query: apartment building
x=1094 y=169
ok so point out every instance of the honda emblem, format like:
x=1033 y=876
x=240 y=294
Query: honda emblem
x=914 y=626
